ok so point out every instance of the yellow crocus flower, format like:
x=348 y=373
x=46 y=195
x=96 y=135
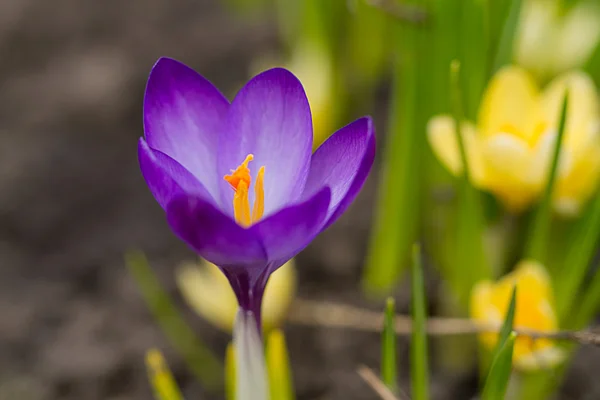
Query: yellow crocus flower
x=552 y=38
x=510 y=149
x=534 y=311
x=208 y=292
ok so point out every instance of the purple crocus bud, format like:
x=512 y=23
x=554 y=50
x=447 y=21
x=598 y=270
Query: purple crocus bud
x=237 y=180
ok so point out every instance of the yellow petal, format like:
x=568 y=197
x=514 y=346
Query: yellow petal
x=536 y=33
x=312 y=64
x=279 y=295
x=580 y=156
x=483 y=311
x=583 y=107
x=441 y=134
x=207 y=291
x=580 y=182
x=508 y=166
x=578 y=36
x=536 y=355
x=510 y=105
x=532 y=275
x=534 y=311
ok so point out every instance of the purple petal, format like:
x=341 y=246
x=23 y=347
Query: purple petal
x=165 y=177
x=214 y=235
x=183 y=113
x=290 y=230
x=269 y=118
x=342 y=163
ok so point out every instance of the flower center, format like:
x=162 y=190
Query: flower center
x=241 y=180
x=531 y=137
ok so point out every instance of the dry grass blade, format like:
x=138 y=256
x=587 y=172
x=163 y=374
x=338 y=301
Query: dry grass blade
x=376 y=384
x=316 y=313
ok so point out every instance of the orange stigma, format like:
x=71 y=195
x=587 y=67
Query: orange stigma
x=240 y=180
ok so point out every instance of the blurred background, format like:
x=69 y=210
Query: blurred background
x=72 y=200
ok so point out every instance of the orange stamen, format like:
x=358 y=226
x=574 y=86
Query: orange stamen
x=241 y=173
x=259 y=191
x=240 y=180
x=241 y=205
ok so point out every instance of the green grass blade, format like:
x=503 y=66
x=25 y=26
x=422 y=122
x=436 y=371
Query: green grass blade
x=418 y=355
x=541 y=225
x=474 y=53
x=161 y=378
x=470 y=262
x=590 y=303
x=504 y=53
x=201 y=361
x=579 y=257
x=509 y=320
x=499 y=372
x=278 y=367
x=499 y=375
x=230 y=372
x=389 y=373
x=397 y=214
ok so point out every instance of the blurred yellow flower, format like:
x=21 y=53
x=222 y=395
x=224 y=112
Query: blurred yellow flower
x=510 y=150
x=534 y=311
x=313 y=65
x=552 y=38
x=208 y=292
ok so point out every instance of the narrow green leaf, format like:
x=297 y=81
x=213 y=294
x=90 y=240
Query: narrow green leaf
x=590 y=303
x=499 y=375
x=230 y=377
x=507 y=39
x=397 y=214
x=579 y=257
x=507 y=326
x=543 y=218
x=369 y=42
x=389 y=374
x=278 y=367
x=474 y=51
x=418 y=355
x=499 y=372
x=161 y=378
x=198 y=357
x=470 y=261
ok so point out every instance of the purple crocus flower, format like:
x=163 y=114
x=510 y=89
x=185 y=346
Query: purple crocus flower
x=237 y=180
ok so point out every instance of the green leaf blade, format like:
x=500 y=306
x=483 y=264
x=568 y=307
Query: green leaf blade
x=389 y=373
x=419 y=353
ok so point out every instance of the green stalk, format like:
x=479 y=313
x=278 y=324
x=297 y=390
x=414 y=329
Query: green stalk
x=590 y=303
x=504 y=53
x=580 y=255
x=389 y=374
x=470 y=263
x=278 y=367
x=418 y=355
x=161 y=378
x=396 y=216
x=543 y=218
x=497 y=381
x=475 y=51
x=498 y=376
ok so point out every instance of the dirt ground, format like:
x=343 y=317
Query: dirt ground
x=72 y=201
